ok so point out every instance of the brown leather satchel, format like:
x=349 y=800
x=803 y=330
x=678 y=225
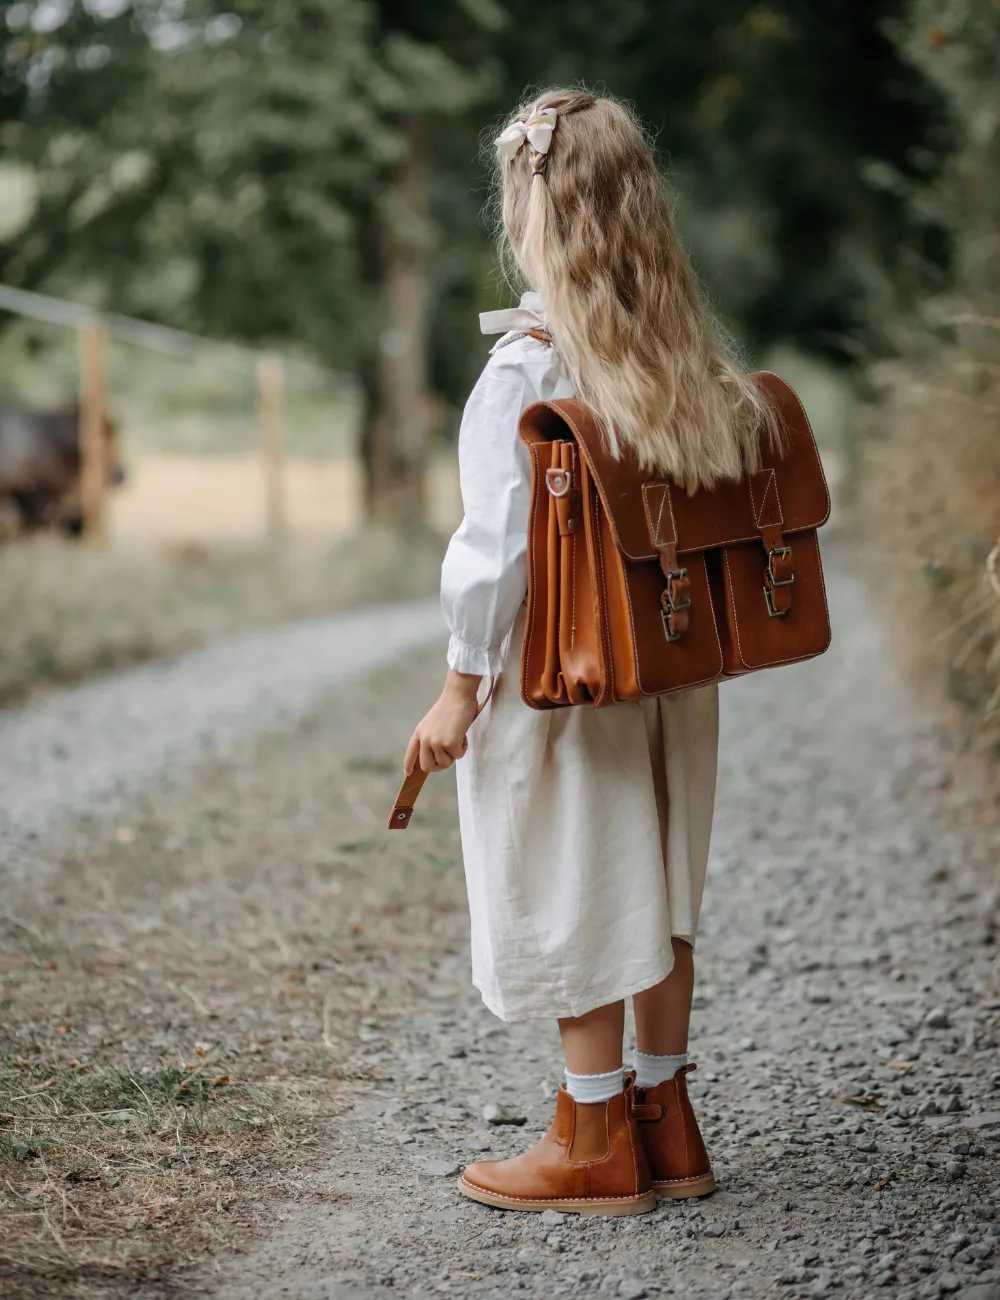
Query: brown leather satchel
x=637 y=589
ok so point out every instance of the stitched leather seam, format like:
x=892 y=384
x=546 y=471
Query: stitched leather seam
x=822 y=587
x=792 y=659
x=656 y=529
x=695 y=1178
x=772 y=482
x=659 y=517
x=805 y=420
x=731 y=541
x=603 y=619
x=797 y=531
x=572 y=592
x=686 y=686
x=544 y=1200
x=673 y=522
x=635 y=1165
x=736 y=621
x=653 y=528
x=580 y=1164
x=534 y=576
x=684 y=1123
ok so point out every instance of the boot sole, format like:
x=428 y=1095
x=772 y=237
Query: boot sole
x=679 y=1189
x=613 y=1207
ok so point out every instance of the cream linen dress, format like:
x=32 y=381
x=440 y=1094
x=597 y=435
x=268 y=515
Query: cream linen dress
x=579 y=864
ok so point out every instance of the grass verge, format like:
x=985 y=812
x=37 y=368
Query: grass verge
x=72 y=611
x=186 y=996
x=930 y=502
x=102 y=1166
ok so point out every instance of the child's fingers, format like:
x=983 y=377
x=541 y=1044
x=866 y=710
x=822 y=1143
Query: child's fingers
x=427 y=760
x=442 y=759
x=411 y=755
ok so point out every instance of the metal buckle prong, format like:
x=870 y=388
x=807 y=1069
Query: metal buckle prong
x=676 y=575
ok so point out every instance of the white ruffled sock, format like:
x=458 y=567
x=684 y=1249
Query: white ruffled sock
x=595 y=1087
x=651 y=1070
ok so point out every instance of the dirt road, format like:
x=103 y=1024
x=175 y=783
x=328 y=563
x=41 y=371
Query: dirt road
x=846 y=1025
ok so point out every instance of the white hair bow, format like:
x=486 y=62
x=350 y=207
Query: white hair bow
x=537 y=130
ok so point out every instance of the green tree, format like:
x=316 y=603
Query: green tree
x=203 y=170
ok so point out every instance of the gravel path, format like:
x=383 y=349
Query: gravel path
x=846 y=1029
x=86 y=750
x=847 y=1017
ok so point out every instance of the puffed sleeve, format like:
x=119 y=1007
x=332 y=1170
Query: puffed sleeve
x=484 y=577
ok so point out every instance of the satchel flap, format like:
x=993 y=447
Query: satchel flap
x=789 y=491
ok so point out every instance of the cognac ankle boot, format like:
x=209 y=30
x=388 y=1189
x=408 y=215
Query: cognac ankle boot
x=591 y=1161
x=678 y=1162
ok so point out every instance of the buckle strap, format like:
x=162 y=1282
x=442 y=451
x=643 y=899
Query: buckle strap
x=779 y=572
x=402 y=809
x=675 y=599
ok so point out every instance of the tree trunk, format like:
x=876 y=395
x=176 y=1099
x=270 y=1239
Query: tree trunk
x=395 y=439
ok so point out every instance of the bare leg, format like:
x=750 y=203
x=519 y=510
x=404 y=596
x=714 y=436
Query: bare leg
x=662 y=1013
x=592 y=1043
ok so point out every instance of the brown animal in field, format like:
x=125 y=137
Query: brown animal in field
x=40 y=468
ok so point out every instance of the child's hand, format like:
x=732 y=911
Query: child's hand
x=440 y=738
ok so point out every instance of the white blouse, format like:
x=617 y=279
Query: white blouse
x=484 y=577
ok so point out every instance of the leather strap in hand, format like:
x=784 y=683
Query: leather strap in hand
x=402 y=809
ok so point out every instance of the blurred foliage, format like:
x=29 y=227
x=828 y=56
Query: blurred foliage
x=222 y=169
x=956 y=46
x=931 y=455
x=213 y=169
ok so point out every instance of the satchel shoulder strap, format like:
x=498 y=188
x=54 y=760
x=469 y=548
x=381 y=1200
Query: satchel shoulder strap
x=543 y=336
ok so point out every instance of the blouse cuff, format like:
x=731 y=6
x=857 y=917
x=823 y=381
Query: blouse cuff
x=484 y=660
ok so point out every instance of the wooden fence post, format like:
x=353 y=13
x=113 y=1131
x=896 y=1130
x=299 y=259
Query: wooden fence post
x=270 y=388
x=93 y=443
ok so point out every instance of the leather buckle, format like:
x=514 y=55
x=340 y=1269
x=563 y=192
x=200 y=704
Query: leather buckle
x=671 y=605
x=676 y=576
x=558 y=482
x=772 y=610
x=780 y=553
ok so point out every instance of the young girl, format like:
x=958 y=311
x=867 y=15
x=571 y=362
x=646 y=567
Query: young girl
x=585 y=832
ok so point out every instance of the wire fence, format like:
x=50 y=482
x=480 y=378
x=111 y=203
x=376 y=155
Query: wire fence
x=217 y=441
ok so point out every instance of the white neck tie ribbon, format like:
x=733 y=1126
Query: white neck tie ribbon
x=537 y=130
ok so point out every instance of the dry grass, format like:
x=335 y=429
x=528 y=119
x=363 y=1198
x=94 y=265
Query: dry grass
x=100 y=1167
x=930 y=496
x=186 y=998
x=71 y=611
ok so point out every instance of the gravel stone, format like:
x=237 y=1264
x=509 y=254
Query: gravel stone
x=441 y=1169
x=494 y=1113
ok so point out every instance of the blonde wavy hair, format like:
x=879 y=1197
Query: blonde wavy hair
x=589 y=226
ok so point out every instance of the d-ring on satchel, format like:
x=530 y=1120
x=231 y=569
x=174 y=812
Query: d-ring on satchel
x=637 y=589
